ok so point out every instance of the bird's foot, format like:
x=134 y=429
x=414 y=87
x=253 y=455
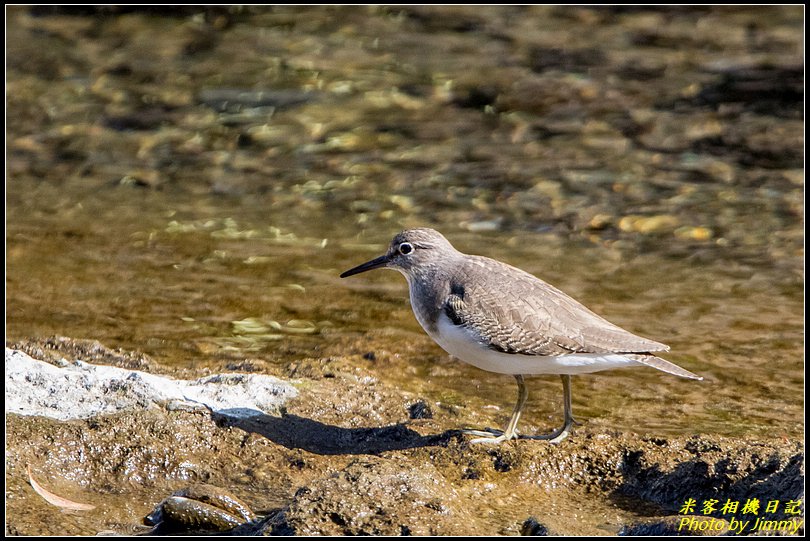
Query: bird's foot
x=490 y=436
x=486 y=433
x=555 y=437
x=493 y=440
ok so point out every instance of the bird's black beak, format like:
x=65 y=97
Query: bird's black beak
x=367 y=266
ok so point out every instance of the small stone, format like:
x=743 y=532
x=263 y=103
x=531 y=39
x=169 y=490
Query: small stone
x=600 y=221
x=420 y=410
x=648 y=224
x=532 y=527
x=484 y=225
x=694 y=233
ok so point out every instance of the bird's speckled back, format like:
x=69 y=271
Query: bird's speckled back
x=511 y=310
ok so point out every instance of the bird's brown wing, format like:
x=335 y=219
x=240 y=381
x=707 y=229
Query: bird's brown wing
x=514 y=312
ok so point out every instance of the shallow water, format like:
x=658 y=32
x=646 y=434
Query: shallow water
x=142 y=216
x=201 y=298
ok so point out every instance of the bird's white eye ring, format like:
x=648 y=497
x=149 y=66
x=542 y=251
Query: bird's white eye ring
x=405 y=248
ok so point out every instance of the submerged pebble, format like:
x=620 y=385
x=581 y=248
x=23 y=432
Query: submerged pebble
x=199 y=507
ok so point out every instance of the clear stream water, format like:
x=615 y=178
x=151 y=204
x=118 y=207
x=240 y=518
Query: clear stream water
x=144 y=216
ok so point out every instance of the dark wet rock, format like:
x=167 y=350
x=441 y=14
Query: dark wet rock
x=765 y=152
x=532 y=527
x=218 y=497
x=657 y=38
x=274 y=523
x=575 y=60
x=726 y=469
x=471 y=473
x=178 y=514
x=475 y=97
x=641 y=72
x=504 y=459
x=141 y=120
x=765 y=89
x=437 y=19
x=420 y=410
x=199 y=508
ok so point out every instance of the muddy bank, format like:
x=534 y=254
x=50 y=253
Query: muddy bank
x=359 y=456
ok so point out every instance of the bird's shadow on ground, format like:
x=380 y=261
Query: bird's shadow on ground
x=294 y=432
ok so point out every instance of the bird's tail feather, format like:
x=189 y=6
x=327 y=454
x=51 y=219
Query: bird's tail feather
x=664 y=366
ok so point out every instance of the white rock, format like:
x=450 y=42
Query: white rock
x=80 y=390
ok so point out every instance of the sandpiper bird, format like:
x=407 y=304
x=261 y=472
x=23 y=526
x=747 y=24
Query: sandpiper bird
x=502 y=319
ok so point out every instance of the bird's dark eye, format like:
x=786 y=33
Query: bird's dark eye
x=405 y=248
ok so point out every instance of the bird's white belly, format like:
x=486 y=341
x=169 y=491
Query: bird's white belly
x=462 y=344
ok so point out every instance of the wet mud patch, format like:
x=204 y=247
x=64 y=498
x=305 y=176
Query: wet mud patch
x=380 y=496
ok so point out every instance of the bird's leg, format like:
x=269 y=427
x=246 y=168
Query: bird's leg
x=496 y=436
x=486 y=433
x=561 y=433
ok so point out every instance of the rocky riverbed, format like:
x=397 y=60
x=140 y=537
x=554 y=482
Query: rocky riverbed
x=350 y=454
